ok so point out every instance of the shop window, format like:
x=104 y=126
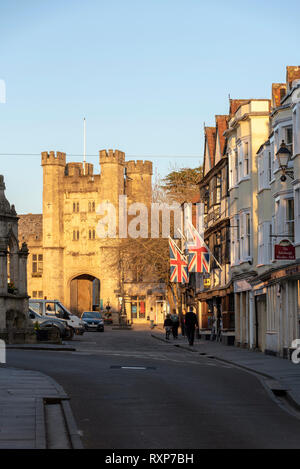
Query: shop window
x=138 y=307
x=134 y=307
x=142 y=308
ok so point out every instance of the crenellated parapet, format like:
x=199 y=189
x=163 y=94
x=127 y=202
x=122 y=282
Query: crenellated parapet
x=110 y=156
x=139 y=167
x=53 y=158
x=79 y=169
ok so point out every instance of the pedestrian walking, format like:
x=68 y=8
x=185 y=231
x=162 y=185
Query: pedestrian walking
x=219 y=332
x=213 y=330
x=191 y=322
x=152 y=317
x=168 y=324
x=175 y=324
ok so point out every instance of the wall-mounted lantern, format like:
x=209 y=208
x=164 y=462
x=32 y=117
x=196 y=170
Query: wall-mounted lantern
x=284 y=157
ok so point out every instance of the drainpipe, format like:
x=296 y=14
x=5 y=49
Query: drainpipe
x=256 y=321
x=251 y=319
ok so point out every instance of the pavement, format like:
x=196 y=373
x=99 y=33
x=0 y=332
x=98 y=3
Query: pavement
x=283 y=374
x=34 y=412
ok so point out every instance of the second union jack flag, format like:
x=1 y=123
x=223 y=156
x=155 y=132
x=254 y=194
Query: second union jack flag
x=178 y=265
x=199 y=257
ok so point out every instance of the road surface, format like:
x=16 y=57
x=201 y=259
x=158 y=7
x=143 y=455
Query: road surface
x=170 y=399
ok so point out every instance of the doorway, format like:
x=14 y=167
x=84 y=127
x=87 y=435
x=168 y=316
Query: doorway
x=261 y=322
x=84 y=294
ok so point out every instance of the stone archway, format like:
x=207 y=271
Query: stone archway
x=84 y=293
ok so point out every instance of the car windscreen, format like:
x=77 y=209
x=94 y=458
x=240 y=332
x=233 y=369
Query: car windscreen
x=60 y=308
x=33 y=315
x=91 y=315
x=35 y=306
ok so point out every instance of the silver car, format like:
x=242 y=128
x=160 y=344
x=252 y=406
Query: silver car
x=65 y=331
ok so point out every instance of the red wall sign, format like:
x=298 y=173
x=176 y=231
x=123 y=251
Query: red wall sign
x=285 y=252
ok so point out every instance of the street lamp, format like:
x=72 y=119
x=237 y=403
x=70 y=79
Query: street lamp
x=284 y=156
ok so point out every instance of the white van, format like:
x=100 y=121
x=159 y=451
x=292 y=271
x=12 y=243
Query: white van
x=57 y=309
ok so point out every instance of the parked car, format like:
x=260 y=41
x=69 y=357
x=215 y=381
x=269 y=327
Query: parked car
x=55 y=308
x=65 y=331
x=93 y=320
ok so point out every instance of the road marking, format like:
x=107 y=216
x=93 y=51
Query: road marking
x=134 y=368
x=139 y=368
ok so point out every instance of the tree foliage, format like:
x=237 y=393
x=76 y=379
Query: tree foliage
x=182 y=185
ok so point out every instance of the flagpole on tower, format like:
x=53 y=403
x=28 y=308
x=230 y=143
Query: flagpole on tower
x=84 y=144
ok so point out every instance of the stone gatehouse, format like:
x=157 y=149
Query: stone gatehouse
x=67 y=260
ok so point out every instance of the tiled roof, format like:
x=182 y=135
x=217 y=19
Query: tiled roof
x=292 y=73
x=278 y=91
x=234 y=104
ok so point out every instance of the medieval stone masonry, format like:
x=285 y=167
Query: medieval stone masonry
x=68 y=261
x=14 y=323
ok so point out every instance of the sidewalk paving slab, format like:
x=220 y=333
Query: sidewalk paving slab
x=22 y=413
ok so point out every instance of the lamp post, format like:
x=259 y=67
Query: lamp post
x=284 y=156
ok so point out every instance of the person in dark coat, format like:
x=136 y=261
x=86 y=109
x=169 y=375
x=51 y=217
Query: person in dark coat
x=175 y=324
x=191 y=322
x=168 y=324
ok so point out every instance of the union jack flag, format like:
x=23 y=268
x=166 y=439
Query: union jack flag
x=178 y=265
x=199 y=257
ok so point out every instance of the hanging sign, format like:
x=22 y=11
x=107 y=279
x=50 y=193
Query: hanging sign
x=285 y=251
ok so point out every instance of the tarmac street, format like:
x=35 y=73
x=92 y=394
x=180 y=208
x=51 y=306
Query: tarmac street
x=129 y=390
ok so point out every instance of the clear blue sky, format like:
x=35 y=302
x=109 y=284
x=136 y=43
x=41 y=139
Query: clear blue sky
x=146 y=74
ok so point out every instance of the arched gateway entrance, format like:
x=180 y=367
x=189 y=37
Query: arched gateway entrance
x=84 y=293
